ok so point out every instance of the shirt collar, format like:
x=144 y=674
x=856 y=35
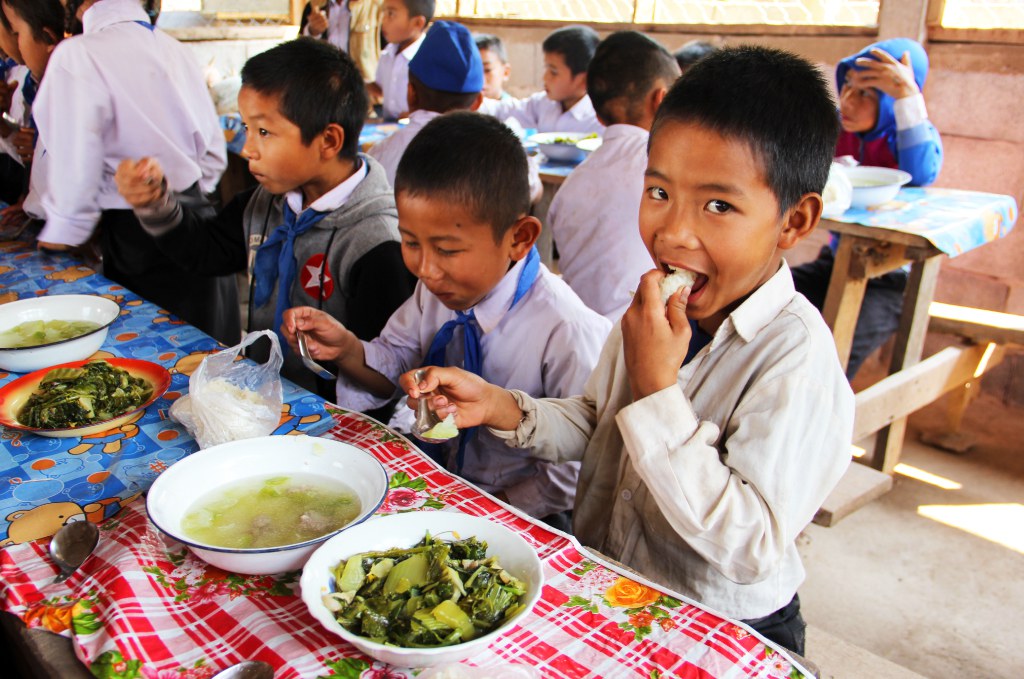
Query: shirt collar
x=108 y=12
x=421 y=117
x=410 y=51
x=492 y=308
x=763 y=305
x=582 y=109
x=333 y=199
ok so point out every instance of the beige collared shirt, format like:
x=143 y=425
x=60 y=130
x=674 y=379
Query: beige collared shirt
x=704 y=486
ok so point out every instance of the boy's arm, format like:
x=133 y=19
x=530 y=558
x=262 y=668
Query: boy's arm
x=918 y=144
x=742 y=503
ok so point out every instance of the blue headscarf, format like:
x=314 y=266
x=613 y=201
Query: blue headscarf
x=886 y=125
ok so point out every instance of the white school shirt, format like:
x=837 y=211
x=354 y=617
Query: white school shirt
x=546 y=115
x=547 y=344
x=338 y=19
x=704 y=486
x=120 y=91
x=393 y=76
x=594 y=219
x=18 y=111
x=388 y=151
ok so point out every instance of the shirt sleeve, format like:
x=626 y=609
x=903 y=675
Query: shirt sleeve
x=741 y=506
x=75 y=149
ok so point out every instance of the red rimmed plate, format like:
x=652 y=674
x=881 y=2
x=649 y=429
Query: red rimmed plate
x=14 y=395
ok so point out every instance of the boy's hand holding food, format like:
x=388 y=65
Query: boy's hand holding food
x=326 y=338
x=141 y=182
x=655 y=334
x=473 y=400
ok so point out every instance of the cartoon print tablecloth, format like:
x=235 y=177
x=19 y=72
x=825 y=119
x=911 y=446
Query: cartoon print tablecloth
x=45 y=482
x=953 y=221
x=143 y=606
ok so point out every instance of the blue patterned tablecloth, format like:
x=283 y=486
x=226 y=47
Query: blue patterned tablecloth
x=953 y=221
x=45 y=482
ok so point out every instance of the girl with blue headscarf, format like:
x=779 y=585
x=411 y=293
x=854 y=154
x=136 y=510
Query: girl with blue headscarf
x=884 y=123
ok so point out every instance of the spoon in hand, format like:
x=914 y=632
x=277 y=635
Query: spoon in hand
x=250 y=669
x=308 y=361
x=72 y=545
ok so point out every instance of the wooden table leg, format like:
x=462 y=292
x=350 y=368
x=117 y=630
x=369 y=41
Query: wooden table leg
x=907 y=351
x=845 y=295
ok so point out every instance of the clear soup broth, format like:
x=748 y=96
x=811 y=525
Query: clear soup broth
x=270 y=512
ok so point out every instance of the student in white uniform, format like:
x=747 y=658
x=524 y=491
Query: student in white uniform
x=593 y=217
x=404 y=26
x=353 y=26
x=484 y=300
x=715 y=425
x=563 y=106
x=124 y=89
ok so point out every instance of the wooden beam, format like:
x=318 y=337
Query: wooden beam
x=977 y=325
x=898 y=395
x=860 y=485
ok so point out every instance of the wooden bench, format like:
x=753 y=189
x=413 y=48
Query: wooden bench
x=987 y=335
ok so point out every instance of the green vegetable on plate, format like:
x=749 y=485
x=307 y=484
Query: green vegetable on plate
x=75 y=397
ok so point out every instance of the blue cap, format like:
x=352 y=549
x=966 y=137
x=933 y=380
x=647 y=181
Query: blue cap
x=448 y=60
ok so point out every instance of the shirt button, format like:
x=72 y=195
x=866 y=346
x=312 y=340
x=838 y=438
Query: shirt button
x=627 y=495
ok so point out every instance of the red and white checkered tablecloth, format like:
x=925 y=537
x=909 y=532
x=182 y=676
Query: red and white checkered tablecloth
x=143 y=606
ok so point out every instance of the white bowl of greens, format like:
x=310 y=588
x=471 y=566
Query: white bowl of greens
x=262 y=505
x=437 y=614
x=43 y=331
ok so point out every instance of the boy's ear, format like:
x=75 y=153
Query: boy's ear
x=476 y=104
x=524 y=233
x=332 y=141
x=801 y=220
x=420 y=22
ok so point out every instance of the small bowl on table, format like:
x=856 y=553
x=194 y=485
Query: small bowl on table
x=91 y=308
x=205 y=472
x=561 y=147
x=875 y=185
x=514 y=554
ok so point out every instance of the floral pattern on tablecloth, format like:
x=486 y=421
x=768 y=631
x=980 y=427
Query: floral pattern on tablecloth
x=144 y=607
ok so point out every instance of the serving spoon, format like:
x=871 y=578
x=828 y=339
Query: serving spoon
x=249 y=669
x=72 y=545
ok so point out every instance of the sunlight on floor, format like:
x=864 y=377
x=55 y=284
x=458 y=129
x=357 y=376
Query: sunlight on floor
x=927 y=477
x=1000 y=523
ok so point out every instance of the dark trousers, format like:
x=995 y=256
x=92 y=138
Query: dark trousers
x=13 y=179
x=785 y=627
x=132 y=258
x=879 y=314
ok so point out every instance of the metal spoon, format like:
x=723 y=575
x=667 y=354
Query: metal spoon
x=72 y=545
x=250 y=669
x=425 y=417
x=308 y=361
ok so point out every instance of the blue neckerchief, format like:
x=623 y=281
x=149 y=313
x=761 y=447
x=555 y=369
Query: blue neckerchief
x=698 y=340
x=29 y=91
x=5 y=67
x=275 y=261
x=147 y=24
x=473 y=354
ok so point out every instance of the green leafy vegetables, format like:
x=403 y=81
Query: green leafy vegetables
x=73 y=397
x=38 y=333
x=436 y=593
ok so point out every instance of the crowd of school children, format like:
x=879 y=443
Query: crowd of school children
x=691 y=439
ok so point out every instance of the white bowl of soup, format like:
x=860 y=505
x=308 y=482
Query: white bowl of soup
x=874 y=185
x=263 y=505
x=43 y=331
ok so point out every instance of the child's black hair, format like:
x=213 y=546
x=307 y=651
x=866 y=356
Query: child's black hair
x=779 y=104
x=576 y=44
x=317 y=83
x=626 y=66
x=429 y=99
x=4 y=22
x=469 y=159
x=491 y=43
x=692 y=52
x=420 y=8
x=40 y=15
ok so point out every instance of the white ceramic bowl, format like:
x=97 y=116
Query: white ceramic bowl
x=56 y=308
x=564 y=149
x=196 y=475
x=874 y=185
x=404 y=530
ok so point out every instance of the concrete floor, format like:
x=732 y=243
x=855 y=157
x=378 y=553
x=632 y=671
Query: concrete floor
x=932 y=598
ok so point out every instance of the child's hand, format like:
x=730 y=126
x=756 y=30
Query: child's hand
x=326 y=338
x=24 y=142
x=895 y=78
x=13 y=215
x=141 y=183
x=375 y=92
x=317 y=22
x=655 y=336
x=473 y=400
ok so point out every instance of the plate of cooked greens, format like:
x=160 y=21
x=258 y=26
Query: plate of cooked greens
x=422 y=588
x=82 y=397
